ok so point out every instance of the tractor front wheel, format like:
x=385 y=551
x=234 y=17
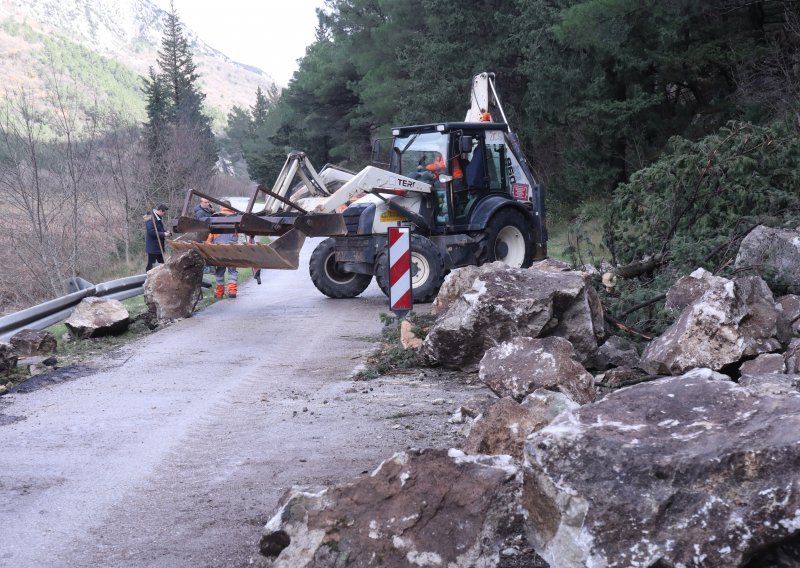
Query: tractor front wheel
x=328 y=276
x=509 y=239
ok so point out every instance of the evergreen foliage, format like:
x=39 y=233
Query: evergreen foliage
x=701 y=195
x=697 y=202
x=181 y=143
x=595 y=88
x=250 y=133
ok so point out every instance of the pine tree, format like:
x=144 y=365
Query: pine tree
x=260 y=109
x=158 y=110
x=180 y=140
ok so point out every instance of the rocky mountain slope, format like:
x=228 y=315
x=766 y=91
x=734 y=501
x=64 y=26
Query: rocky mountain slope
x=105 y=45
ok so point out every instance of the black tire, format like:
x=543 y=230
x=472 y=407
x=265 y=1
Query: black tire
x=509 y=239
x=427 y=269
x=329 y=278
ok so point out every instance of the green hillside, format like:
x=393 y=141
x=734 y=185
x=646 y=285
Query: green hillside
x=48 y=58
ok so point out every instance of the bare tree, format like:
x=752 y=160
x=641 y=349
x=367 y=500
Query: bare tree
x=35 y=211
x=76 y=131
x=125 y=164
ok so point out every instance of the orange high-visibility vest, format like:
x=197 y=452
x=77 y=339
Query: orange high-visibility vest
x=438 y=164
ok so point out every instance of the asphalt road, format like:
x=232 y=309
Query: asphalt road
x=175 y=450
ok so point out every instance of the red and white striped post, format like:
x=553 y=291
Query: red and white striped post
x=400 y=271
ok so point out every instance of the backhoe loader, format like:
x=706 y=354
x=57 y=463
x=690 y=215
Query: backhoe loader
x=464 y=188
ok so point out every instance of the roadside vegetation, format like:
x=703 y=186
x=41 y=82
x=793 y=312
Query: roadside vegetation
x=390 y=356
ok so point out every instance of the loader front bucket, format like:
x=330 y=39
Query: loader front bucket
x=283 y=253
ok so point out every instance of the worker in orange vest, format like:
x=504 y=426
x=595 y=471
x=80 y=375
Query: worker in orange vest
x=219 y=271
x=485 y=116
x=438 y=166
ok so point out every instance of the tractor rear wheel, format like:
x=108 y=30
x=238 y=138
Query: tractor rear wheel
x=509 y=239
x=427 y=269
x=329 y=278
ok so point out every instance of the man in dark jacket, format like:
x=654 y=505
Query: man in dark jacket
x=155 y=236
x=204 y=210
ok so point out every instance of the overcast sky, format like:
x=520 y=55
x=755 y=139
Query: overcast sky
x=270 y=34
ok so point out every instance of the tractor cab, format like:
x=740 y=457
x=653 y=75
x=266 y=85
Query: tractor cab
x=465 y=162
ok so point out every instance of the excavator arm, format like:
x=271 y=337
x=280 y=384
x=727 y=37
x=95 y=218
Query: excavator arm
x=290 y=213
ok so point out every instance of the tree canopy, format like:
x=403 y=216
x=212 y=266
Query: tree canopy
x=595 y=88
x=179 y=138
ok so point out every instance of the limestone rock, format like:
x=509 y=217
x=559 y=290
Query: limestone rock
x=772 y=251
x=503 y=427
x=520 y=366
x=790 y=305
x=731 y=321
x=97 y=317
x=553 y=265
x=688 y=289
x=615 y=352
x=692 y=470
x=408 y=339
x=792 y=357
x=777 y=384
x=620 y=376
x=458 y=281
x=419 y=508
x=8 y=357
x=764 y=364
x=172 y=290
x=505 y=303
x=31 y=342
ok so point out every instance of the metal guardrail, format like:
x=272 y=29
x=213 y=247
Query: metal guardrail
x=54 y=311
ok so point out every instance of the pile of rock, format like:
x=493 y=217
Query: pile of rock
x=694 y=464
x=28 y=348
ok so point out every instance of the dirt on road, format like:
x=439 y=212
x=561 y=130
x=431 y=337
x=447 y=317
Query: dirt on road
x=174 y=450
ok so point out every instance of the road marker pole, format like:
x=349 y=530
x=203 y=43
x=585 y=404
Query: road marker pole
x=400 y=301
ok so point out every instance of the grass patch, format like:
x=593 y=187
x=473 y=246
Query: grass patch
x=578 y=238
x=391 y=356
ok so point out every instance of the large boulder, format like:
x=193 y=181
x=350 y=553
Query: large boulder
x=766 y=363
x=503 y=303
x=98 y=317
x=772 y=383
x=692 y=470
x=775 y=252
x=172 y=289
x=688 y=289
x=731 y=321
x=32 y=342
x=419 y=508
x=504 y=426
x=459 y=281
x=8 y=356
x=522 y=365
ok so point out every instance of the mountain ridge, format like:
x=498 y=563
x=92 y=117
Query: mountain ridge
x=126 y=31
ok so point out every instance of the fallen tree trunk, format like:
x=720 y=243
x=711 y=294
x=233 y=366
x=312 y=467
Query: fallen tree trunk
x=640 y=267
